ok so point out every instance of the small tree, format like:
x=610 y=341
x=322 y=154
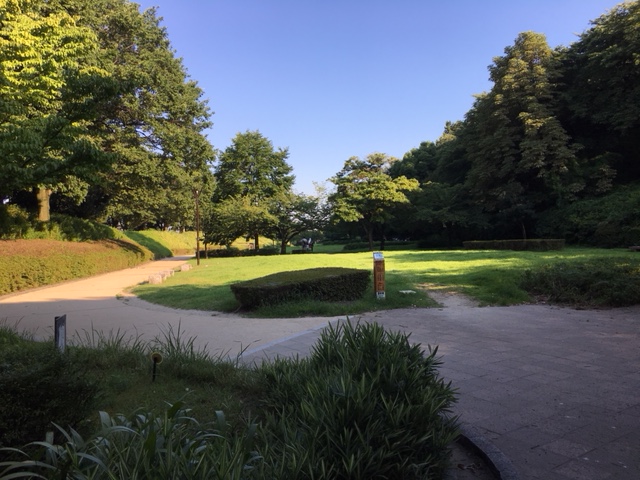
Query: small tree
x=366 y=192
x=251 y=177
x=297 y=213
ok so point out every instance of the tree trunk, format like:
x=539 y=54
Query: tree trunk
x=43 y=195
x=283 y=246
x=256 y=242
x=524 y=230
x=369 y=232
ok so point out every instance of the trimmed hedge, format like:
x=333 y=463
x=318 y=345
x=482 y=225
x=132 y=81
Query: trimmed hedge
x=237 y=252
x=332 y=284
x=536 y=244
x=34 y=263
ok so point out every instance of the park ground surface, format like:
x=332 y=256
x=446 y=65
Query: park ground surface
x=554 y=391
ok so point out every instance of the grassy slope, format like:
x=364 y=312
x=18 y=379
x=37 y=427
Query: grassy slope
x=33 y=263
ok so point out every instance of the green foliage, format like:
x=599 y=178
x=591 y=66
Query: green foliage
x=325 y=284
x=38 y=386
x=597 y=282
x=366 y=404
x=51 y=90
x=612 y=220
x=533 y=244
x=14 y=222
x=601 y=94
x=251 y=179
x=172 y=444
x=33 y=263
x=520 y=154
x=365 y=192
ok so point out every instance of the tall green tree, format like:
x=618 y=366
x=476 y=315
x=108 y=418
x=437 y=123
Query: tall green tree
x=51 y=90
x=252 y=177
x=601 y=93
x=365 y=192
x=520 y=154
x=156 y=127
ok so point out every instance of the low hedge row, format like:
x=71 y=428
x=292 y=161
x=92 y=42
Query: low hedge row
x=237 y=252
x=333 y=284
x=34 y=263
x=536 y=244
x=349 y=247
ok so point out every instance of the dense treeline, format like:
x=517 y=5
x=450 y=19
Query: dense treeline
x=553 y=149
x=99 y=120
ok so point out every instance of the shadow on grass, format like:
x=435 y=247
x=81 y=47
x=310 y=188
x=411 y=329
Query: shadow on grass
x=217 y=298
x=159 y=250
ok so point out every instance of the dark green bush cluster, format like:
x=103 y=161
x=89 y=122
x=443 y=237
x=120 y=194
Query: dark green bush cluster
x=612 y=220
x=366 y=404
x=602 y=282
x=38 y=386
x=535 y=244
x=333 y=284
x=363 y=246
x=16 y=223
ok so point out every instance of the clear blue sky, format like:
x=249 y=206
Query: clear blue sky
x=331 y=79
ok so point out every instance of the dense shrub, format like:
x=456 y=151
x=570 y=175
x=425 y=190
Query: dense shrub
x=536 y=244
x=366 y=404
x=390 y=245
x=33 y=263
x=16 y=223
x=603 y=282
x=331 y=284
x=612 y=220
x=38 y=386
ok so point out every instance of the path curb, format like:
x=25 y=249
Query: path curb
x=497 y=461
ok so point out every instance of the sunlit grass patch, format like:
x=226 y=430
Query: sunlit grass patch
x=490 y=277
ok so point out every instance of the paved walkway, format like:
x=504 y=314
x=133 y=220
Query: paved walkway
x=556 y=390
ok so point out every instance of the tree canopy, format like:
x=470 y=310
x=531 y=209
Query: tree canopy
x=252 y=180
x=365 y=192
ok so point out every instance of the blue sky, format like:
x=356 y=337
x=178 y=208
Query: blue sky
x=333 y=79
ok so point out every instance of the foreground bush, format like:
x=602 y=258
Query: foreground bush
x=331 y=284
x=38 y=386
x=599 y=282
x=33 y=263
x=365 y=404
x=171 y=445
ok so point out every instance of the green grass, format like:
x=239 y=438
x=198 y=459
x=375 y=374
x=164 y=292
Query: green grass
x=490 y=277
x=165 y=244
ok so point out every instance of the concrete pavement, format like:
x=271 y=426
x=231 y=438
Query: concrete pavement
x=557 y=390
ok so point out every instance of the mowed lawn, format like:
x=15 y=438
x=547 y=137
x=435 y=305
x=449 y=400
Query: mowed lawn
x=490 y=277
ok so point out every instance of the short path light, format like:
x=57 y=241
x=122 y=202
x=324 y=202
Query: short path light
x=156 y=358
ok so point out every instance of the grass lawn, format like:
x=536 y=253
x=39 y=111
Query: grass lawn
x=491 y=277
